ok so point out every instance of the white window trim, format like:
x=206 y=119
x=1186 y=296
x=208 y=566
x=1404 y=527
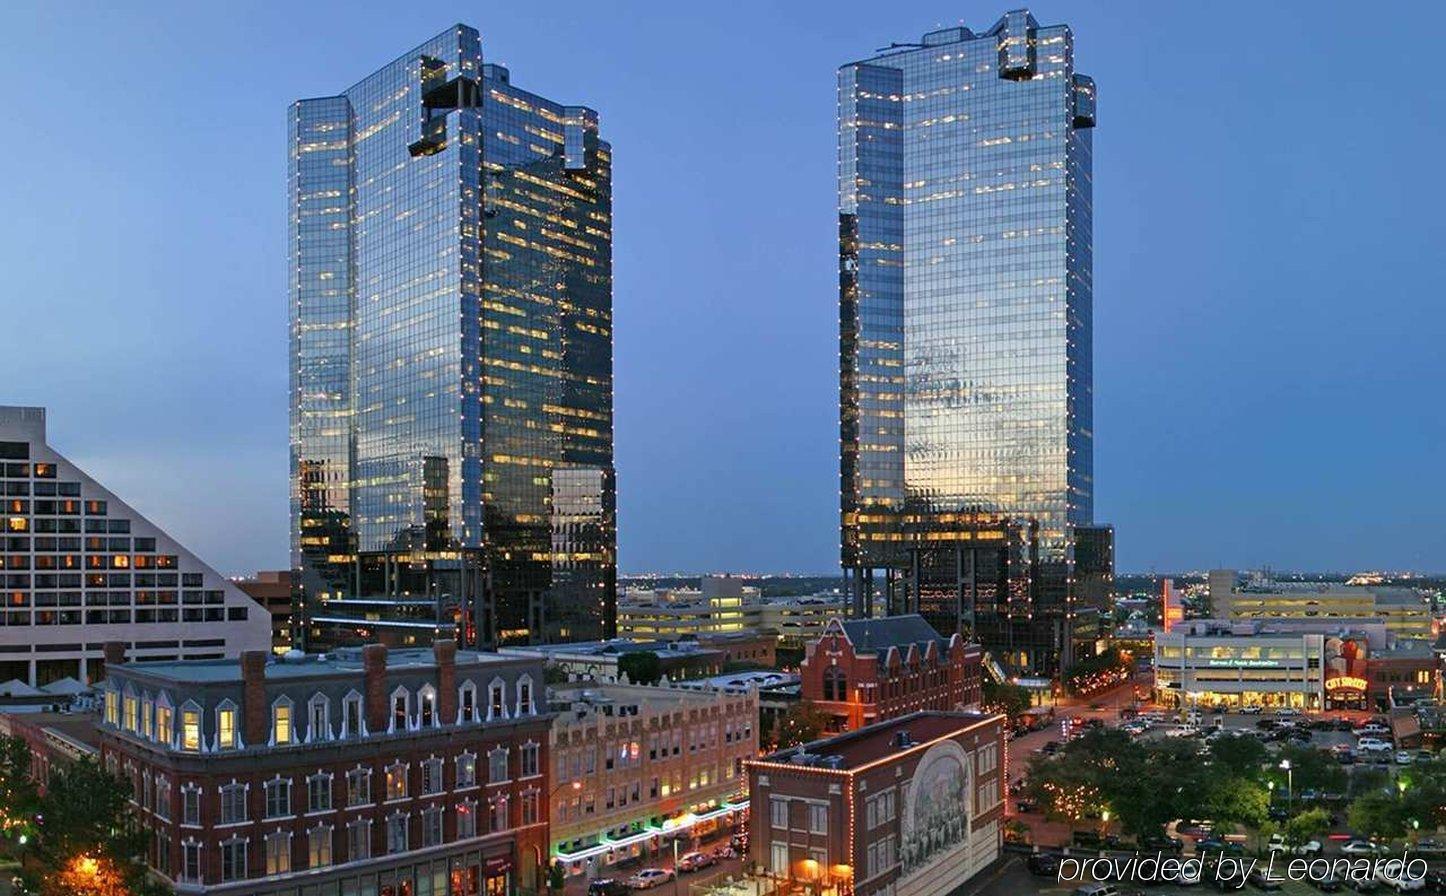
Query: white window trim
x=286 y=701
x=325 y=703
x=497 y=684
x=180 y=725
x=228 y=703
x=424 y=693
x=392 y=710
x=361 y=714
x=531 y=707
x=476 y=707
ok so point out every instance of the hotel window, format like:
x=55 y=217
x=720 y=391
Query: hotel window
x=399 y=711
x=497 y=766
x=817 y=819
x=319 y=727
x=278 y=852
x=318 y=792
x=466 y=770
x=529 y=807
x=496 y=708
x=428 y=708
x=467 y=702
x=778 y=813
x=163 y=798
x=190 y=804
x=530 y=766
x=226 y=727
x=164 y=732
x=466 y=820
x=318 y=847
x=524 y=696
x=191 y=729
x=112 y=708
x=397 y=833
x=281 y=732
x=779 y=859
x=130 y=712
x=278 y=797
x=148 y=719
x=233 y=803
x=233 y=860
x=359 y=787
x=359 y=840
x=397 y=781
x=352 y=715
x=432 y=826
x=497 y=813
x=431 y=776
x=191 y=861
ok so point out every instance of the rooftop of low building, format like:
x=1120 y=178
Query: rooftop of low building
x=865 y=746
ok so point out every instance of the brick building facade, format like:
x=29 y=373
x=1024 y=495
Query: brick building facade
x=862 y=671
x=422 y=772
x=912 y=806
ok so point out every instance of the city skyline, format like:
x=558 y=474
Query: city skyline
x=1210 y=460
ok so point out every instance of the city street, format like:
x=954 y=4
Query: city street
x=577 y=886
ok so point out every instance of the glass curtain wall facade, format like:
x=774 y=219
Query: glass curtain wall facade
x=965 y=328
x=451 y=326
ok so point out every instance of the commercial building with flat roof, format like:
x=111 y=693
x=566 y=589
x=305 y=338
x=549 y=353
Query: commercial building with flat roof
x=638 y=767
x=1406 y=612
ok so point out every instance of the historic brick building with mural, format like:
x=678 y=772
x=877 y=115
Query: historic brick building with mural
x=862 y=671
x=912 y=806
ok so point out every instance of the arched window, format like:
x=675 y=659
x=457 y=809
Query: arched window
x=467 y=703
x=353 y=723
x=496 y=700
x=283 y=723
x=524 y=696
x=427 y=706
x=835 y=684
x=318 y=716
x=401 y=702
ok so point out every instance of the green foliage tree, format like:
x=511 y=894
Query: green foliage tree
x=86 y=843
x=1378 y=815
x=1306 y=825
x=641 y=667
x=1310 y=769
x=1233 y=799
x=1010 y=699
x=803 y=722
x=1239 y=755
x=19 y=798
x=554 y=673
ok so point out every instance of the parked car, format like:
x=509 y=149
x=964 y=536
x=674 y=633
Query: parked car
x=695 y=861
x=1398 y=879
x=1262 y=881
x=1363 y=884
x=1286 y=711
x=649 y=878
x=1043 y=864
x=1429 y=846
x=606 y=886
x=1161 y=844
x=1328 y=884
x=1359 y=848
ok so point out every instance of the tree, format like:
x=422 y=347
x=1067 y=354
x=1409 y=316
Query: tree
x=1304 y=826
x=1010 y=699
x=554 y=673
x=1310 y=769
x=1377 y=815
x=1233 y=799
x=1238 y=755
x=19 y=798
x=641 y=667
x=803 y=722
x=556 y=876
x=86 y=844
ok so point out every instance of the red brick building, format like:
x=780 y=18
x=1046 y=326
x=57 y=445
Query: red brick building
x=863 y=671
x=912 y=806
x=419 y=772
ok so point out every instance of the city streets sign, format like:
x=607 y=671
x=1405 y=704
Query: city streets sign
x=1345 y=683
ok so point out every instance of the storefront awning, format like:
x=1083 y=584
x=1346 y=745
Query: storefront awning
x=683 y=823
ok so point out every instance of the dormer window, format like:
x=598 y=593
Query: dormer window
x=496 y=706
x=524 y=696
x=191 y=729
x=281 y=728
x=467 y=703
x=427 y=708
x=399 y=709
x=226 y=726
x=319 y=727
x=164 y=729
x=352 y=715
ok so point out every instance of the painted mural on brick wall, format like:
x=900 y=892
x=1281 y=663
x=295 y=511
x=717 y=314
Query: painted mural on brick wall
x=936 y=811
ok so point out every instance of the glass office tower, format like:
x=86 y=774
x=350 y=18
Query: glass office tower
x=451 y=334
x=965 y=333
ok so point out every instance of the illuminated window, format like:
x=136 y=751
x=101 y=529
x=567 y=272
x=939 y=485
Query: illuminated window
x=226 y=727
x=281 y=732
x=164 y=732
x=130 y=712
x=191 y=729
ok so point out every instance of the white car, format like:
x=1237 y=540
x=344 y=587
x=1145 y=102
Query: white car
x=1251 y=710
x=1372 y=743
x=1398 y=879
x=1404 y=758
x=1359 y=848
x=1287 y=711
x=649 y=878
x=1309 y=848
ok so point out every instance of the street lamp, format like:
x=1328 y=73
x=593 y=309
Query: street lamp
x=1289 y=782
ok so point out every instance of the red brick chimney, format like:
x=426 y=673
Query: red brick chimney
x=374 y=665
x=255 y=714
x=446 y=653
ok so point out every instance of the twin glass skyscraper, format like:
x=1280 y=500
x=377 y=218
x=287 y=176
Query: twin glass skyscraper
x=966 y=297
x=451 y=356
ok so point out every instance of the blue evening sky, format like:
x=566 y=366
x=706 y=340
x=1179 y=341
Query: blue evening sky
x=1268 y=244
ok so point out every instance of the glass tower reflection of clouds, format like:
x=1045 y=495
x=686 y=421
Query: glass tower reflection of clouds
x=966 y=290
x=451 y=325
